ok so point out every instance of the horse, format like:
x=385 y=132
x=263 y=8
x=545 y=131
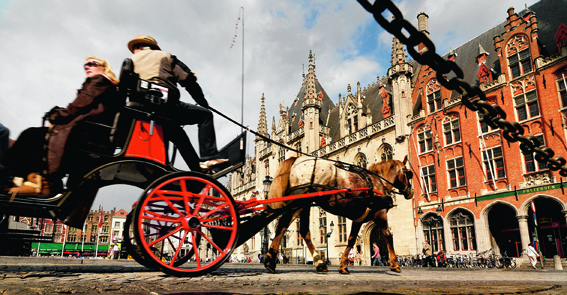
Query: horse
x=304 y=174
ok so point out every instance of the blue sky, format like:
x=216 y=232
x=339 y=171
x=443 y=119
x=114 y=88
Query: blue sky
x=44 y=44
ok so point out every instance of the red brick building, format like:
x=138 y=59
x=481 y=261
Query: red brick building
x=475 y=189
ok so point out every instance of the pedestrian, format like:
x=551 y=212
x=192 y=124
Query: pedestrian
x=532 y=254
x=116 y=251
x=351 y=257
x=357 y=259
x=165 y=70
x=376 y=259
x=427 y=252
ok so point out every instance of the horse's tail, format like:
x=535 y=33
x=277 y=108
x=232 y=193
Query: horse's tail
x=280 y=183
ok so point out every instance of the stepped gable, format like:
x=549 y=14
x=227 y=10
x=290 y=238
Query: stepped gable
x=550 y=14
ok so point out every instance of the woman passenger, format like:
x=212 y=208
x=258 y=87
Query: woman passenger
x=28 y=158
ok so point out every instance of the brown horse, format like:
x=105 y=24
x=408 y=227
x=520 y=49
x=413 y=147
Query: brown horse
x=307 y=174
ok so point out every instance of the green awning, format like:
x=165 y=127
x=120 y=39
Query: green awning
x=54 y=248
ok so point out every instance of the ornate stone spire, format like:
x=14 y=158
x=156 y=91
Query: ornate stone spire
x=398 y=52
x=262 y=123
x=310 y=85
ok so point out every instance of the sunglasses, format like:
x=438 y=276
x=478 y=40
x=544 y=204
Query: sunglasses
x=92 y=64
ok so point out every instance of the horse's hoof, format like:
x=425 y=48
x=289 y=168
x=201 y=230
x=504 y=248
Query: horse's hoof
x=322 y=268
x=397 y=269
x=344 y=271
x=270 y=264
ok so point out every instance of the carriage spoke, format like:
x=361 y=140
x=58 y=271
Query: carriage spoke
x=218 y=227
x=219 y=207
x=175 y=255
x=168 y=202
x=211 y=242
x=193 y=237
x=165 y=236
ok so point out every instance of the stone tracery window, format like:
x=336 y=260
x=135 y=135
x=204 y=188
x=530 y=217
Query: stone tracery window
x=352 y=118
x=360 y=160
x=433 y=232
x=462 y=231
x=386 y=153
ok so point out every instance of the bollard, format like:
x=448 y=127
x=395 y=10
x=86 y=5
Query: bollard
x=557 y=262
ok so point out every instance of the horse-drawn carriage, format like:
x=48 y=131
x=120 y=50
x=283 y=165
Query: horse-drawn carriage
x=187 y=223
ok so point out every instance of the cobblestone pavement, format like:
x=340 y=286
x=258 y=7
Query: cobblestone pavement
x=126 y=277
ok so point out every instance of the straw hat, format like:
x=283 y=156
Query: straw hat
x=144 y=39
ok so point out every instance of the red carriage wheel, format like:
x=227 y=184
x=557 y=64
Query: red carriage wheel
x=189 y=216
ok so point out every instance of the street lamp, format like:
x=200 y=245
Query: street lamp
x=327 y=241
x=267 y=183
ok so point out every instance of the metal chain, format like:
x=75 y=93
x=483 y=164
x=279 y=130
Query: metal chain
x=494 y=115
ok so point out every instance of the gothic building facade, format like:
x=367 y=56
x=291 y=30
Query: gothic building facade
x=367 y=125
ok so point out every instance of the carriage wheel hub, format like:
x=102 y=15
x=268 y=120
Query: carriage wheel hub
x=191 y=222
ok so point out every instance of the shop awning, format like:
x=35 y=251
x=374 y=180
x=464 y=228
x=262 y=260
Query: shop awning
x=56 y=248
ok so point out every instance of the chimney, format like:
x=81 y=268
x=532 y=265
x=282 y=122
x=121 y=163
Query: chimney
x=422 y=26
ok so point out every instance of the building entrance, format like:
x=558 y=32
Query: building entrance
x=551 y=227
x=503 y=226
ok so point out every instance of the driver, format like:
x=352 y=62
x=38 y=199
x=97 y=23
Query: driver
x=164 y=69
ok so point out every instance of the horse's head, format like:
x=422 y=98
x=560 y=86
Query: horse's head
x=397 y=174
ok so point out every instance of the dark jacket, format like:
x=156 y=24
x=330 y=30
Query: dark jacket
x=97 y=95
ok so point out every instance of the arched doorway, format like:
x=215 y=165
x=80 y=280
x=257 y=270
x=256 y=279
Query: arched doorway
x=503 y=226
x=551 y=227
x=377 y=237
x=433 y=232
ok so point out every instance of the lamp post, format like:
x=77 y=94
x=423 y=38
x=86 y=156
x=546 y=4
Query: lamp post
x=328 y=235
x=267 y=183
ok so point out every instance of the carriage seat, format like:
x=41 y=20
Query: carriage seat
x=142 y=94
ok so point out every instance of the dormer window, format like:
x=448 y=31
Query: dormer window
x=352 y=118
x=433 y=92
x=434 y=101
x=520 y=63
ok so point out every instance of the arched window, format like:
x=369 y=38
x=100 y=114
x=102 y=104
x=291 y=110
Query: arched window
x=462 y=231
x=352 y=118
x=360 y=160
x=433 y=232
x=433 y=93
x=386 y=153
x=519 y=57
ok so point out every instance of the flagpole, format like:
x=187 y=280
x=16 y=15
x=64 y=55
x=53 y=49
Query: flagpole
x=242 y=100
x=63 y=235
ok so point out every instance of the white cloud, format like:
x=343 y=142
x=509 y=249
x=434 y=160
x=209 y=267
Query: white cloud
x=44 y=44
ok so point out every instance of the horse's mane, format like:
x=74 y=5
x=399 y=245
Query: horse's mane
x=383 y=167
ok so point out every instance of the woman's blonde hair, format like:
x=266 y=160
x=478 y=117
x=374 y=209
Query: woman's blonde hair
x=107 y=69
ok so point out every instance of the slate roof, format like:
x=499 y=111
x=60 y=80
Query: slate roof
x=295 y=108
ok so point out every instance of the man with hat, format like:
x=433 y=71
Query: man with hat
x=164 y=69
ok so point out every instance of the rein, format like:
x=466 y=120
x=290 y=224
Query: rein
x=346 y=166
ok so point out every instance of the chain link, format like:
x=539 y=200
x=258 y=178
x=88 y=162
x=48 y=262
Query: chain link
x=471 y=96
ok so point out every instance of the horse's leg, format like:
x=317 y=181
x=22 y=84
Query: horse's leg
x=306 y=234
x=381 y=220
x=354 y=229
x=283 y=223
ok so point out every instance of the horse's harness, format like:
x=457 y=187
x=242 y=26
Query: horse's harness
x=363 y=173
